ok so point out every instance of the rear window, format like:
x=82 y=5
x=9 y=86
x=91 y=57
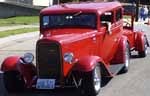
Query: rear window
x=107 y=17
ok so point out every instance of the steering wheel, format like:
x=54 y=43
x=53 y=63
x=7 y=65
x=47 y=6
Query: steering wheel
x=127 y=24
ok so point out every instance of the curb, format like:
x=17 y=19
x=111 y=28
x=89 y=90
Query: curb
x=16 y=37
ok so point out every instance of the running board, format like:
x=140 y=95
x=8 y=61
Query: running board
x=115 y=68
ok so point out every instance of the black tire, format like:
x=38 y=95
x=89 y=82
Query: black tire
x=127 y=59
x=144 y=52
x=91 y=83
x=13 y=81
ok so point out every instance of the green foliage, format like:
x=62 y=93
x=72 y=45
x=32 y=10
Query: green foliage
x=20 y=20
x=65 y=1
x=17 y=31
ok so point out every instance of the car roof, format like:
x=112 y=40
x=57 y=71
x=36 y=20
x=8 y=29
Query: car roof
x=91 y=6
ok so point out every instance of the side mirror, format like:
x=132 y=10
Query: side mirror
x=109 y=28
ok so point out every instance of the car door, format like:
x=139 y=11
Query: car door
x=110 y=39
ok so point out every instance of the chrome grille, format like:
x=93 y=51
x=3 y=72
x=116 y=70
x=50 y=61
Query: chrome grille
x=48 y=58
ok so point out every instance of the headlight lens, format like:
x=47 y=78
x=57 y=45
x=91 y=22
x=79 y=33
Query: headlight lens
x=68 y=57
x=28 y=58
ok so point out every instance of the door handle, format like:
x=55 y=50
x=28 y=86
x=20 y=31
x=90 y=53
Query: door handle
x=94 y=37
x=116 y=39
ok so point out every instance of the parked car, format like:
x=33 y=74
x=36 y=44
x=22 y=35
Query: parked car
x=80 y=43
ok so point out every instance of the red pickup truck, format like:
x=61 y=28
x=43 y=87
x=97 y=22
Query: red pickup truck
x=80 y=43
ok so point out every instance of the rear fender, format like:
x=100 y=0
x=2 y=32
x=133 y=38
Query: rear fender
x=139 y=45
x=119 y=56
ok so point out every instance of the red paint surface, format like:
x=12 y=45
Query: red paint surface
x=10 y=63
x=89 y=46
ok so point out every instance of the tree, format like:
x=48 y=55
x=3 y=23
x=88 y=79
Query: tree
x=65 y=1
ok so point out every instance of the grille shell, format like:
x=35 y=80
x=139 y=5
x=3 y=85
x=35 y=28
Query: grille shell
x=49 y=60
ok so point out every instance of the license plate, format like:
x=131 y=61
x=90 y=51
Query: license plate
x=45 y=84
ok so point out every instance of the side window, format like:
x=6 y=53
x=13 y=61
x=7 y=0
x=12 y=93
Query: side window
x=118 y=14
x=106 y=17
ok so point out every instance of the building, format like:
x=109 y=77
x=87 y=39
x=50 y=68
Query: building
x=11 y=8
x=42 y=2
x=29 y=2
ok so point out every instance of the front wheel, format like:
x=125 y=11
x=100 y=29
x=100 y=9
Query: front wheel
x=92 y=82
x=13 y=81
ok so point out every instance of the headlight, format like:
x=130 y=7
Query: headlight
x=28 y=58
x=68 y=57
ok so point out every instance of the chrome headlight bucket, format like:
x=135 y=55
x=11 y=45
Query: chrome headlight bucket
x=28 y=58
x=68 y=57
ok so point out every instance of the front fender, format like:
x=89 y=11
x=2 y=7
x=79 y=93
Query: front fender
x=10 y=63
x=88 y=63
x=28 y=71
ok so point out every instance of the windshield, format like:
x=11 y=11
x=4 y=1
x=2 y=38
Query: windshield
x=87 y=20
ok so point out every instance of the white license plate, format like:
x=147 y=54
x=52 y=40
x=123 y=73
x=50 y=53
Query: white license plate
x=45 y=84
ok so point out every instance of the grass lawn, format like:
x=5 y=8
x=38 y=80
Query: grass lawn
x=19 y=20
x=17 y=31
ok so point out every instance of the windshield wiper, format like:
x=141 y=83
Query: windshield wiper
x=78 y=13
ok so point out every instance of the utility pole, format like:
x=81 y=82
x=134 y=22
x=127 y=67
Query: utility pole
x=137 y=10
x=51 y=2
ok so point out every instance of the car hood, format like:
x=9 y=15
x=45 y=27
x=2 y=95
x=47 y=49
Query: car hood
x=72 y=36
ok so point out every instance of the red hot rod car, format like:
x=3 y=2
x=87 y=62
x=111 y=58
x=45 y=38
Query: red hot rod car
x=80 y=43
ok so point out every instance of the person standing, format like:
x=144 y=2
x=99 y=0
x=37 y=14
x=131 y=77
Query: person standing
x=142 y=13
x=145 y=12
x=148 y=11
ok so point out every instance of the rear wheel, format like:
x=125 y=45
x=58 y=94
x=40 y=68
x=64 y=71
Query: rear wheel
x=92 y=82
x=126 y=59
x=144 y=52
x=13 y=81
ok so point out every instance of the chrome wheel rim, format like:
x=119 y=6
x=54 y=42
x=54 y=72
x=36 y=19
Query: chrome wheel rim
x=97 y=79
x=146 y=49
x=127 y=58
